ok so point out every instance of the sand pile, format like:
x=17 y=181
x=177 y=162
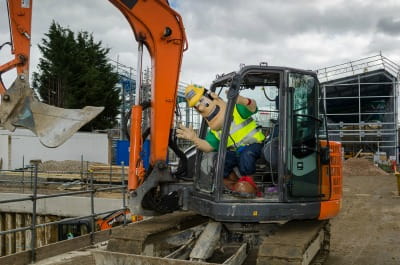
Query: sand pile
x=361 y=167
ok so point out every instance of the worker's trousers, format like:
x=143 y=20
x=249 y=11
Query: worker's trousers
x=245 y=159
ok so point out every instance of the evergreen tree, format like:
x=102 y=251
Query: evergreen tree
x=74 y=72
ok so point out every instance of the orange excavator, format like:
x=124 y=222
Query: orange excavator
x=196 y=220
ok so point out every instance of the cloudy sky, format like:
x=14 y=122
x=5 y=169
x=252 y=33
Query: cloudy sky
x=223 y=34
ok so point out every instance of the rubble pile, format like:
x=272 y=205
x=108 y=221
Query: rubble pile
x=361 y=167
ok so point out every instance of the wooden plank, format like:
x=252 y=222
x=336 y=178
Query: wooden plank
x=10 y=237
x=40 y=236
x=55 y=249
x=28 y=233
x=115 y=258
x=51 y=231
x=106 y=167
x=19 y=236
x=358 y=153
x=2 y=237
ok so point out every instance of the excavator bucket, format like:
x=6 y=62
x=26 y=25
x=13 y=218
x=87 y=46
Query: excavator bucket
x=51 y=124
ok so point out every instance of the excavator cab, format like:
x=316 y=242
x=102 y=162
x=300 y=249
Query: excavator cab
x=293 y=171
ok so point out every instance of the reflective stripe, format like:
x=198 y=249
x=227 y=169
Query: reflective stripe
x=236 y=127
x=242 y=131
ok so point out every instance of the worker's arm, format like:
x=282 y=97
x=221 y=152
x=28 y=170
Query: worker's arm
x=249 y=103
x=189 y=134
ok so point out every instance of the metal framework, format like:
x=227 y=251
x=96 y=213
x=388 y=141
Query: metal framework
x=34 y=197
x=361 y=100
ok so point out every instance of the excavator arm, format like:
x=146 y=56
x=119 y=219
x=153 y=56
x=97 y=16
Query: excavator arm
x=161 y=30
x=20 y=18
x=156 y=26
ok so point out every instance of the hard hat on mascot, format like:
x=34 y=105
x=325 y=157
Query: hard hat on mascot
x=208 y=105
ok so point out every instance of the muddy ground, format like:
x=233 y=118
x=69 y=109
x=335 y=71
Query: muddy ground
x=367 y=231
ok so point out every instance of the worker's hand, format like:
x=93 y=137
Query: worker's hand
x=247 y=102
x=189 y=134
x=186 y=133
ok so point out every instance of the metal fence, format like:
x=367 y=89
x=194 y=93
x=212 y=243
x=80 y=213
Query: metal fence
x=360 y=66
x=91 y=189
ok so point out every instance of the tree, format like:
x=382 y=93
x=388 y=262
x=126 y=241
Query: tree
x=74 y=72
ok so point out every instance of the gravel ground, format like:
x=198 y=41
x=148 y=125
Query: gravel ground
x=367 y=230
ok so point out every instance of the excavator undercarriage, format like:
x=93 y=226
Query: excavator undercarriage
x=189 y=238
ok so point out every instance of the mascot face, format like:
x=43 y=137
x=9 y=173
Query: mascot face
x=212 y=109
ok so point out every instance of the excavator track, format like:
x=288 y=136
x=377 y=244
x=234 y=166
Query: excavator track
x=184 y=238
x=296 y=243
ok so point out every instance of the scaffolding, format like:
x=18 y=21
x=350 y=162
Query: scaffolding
x=361 y=102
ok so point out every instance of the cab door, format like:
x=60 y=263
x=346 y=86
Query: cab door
x=303 y=123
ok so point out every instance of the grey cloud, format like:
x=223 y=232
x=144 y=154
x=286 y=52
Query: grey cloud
x=269 y=20
x=383 y=42
x=389 y=25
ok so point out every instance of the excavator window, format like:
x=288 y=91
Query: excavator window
x=263 y=87
x=305 y=123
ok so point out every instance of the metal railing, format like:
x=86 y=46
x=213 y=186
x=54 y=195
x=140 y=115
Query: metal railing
x=90 y=189
x=360 y=66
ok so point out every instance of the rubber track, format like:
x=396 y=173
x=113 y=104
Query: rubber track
x=323 y=254
x=289 y=243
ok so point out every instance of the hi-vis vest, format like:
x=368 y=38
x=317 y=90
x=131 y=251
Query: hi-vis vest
x=242 y=131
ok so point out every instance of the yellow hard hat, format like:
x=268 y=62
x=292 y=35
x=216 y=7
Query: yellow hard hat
x=193 y=93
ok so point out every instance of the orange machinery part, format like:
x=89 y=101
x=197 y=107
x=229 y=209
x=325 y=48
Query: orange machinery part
x=161 y=30
x=331 y=181
x=136 y=169
x=20 y=13
x=117 y=218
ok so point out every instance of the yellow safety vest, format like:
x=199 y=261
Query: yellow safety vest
x=242 y=131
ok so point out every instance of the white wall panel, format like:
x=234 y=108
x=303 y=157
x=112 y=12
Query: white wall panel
x=25 y=145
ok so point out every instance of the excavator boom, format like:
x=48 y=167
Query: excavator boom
x=161 y=30
x=20 y=19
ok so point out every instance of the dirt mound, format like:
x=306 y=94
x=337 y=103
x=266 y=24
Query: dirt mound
x=66 y=166
x=361 y=167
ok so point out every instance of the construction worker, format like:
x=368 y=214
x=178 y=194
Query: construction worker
x=244 y=141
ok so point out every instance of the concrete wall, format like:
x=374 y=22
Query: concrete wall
x=14 y=146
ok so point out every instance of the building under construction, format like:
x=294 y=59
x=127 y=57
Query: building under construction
x=361 y=100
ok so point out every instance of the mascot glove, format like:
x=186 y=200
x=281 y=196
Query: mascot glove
x=186 y=133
